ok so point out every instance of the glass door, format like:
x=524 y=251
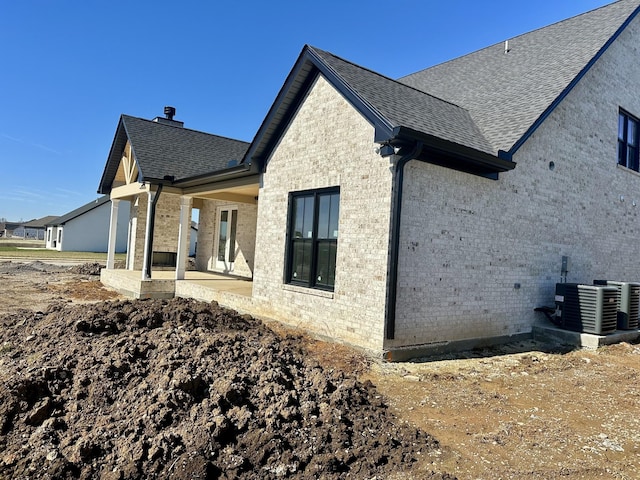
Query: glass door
x=225 y=250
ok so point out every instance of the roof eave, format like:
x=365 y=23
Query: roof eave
x=453 y=155
x=104 y=188
x=226 y=174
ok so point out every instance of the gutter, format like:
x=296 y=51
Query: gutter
x=229 y=172
x=150 y=229
x=390 y=317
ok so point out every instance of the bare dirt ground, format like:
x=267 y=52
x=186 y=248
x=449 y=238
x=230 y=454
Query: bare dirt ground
x=187 y=390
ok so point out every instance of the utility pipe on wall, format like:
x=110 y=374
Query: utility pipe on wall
x=396 y=216
x=148 y=247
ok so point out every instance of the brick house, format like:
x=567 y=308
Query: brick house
x=431 y=211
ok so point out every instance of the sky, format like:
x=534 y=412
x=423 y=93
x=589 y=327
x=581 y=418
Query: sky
x=70 y=68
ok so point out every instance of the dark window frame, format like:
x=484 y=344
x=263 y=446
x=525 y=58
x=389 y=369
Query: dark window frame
x=628 y=145
x=330 y=245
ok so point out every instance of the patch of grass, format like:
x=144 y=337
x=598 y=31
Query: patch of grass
x=19 y=242
x=42 y=253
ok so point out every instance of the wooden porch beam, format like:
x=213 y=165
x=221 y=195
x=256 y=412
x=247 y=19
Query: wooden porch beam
x=223 y=185
x=232 y=197
x=129 y=190
x=137 y=188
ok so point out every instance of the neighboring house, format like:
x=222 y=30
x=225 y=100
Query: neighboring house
x=86 y=229
x=34 y=229
x=7 y=228
x=409 y=215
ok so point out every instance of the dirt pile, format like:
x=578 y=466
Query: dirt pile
x=87 y=269
x=184 y=389
x=17 y=268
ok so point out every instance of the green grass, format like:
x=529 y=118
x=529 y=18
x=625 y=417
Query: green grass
x=36 y=253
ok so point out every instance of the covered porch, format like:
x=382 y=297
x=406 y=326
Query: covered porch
x=229 y=291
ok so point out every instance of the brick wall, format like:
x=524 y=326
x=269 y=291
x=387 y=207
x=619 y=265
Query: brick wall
x=328 y=144
x=166 y=226
x=467 y=241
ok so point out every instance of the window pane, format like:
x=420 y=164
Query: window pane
x=303 y=217
x=301 y=260
x=632 y=158
x=222 y=234
x=326 y=269
x=323 y=216
x=632 y=135
x=328 y=216
x=298 y=209
x=232 y=236
x=622 y=153
x=335 y=212
x=621 y=126
x=307 y=226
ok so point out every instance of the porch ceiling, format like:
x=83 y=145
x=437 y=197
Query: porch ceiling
x=243 y=189
x=245 y=194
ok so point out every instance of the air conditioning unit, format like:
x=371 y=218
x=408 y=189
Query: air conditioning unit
x=587 y=308
x=628 y=299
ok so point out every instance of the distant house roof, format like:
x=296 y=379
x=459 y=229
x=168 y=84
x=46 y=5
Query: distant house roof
x=55 y=221
x=10 y=225
x=40 y=222
x=507 y=93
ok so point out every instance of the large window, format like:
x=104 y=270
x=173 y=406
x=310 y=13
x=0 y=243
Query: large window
x=313 y=238
x=628 y=132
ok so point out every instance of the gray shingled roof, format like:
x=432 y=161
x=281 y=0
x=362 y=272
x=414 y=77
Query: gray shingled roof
x=39 y=222
x=399 y=114
x=506 y=93
x=404 y=106
x=169 y=151
x=61 y=220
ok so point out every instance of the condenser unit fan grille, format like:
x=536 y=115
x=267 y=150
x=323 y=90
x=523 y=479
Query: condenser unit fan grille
x=588 y=308
x=628 y=301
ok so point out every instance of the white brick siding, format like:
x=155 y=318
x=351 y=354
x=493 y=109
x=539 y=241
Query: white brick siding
x=328 y=144
x=466 y=241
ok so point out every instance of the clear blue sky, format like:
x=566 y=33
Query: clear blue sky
x=69 y=68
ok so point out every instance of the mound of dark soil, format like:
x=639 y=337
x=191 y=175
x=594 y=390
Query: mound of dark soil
x=9 y=267
x=87 y=269
x=184 y=389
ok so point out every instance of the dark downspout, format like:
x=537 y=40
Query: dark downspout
x=395 y=238
x=152 y=221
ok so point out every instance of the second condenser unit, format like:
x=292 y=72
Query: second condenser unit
x=587 y=308
x=628 y=301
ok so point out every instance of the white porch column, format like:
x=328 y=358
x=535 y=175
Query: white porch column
x=148 y=241
x=183 y=237
x=113 y=230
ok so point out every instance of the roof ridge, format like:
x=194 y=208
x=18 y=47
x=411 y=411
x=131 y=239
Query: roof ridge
x=404 y=85
x=519 y=36
x=185 y=128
